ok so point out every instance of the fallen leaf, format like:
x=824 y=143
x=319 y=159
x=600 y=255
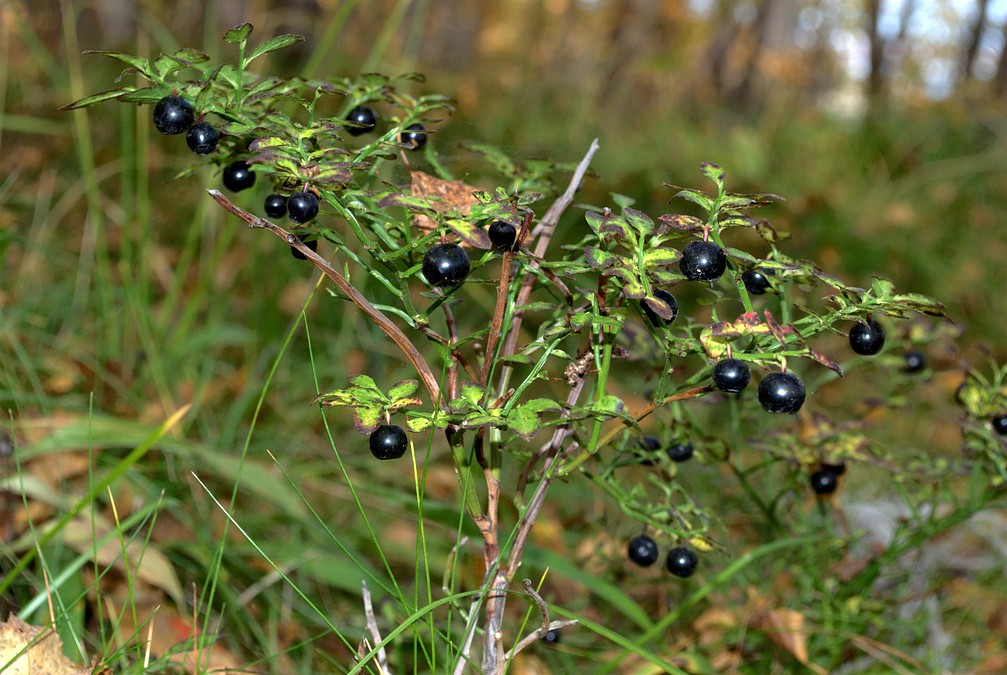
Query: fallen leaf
x=33 y=650
x=444 y=195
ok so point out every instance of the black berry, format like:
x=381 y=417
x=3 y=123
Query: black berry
x=867 y=338
x=365 y=117
x=238 y=176
x=824 y=482
x=781 y=393
x=446 y=265
x=311 y=243
x=838 y=467
x=656 y=319
x=1000 y=424
x=173 y=115
x=413 y=137
x=275 y=206
x=703 y=261
x=551 y=636
x=503 y=235
x=202 y=138
x=303 y=206
x=682 y=562
x=680 y=452
x=756 y=281
x=916 y=361
x=649 y=445
x=642 y=550
x=731 y=375
x=388 y=441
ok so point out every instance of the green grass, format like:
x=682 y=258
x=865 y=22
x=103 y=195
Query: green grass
x=157 y=361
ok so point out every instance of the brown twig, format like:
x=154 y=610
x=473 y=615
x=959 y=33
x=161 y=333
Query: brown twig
x=372 y=627
x=378 y=317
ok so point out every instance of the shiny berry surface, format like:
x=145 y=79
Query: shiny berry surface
x=642 y=550
x=867 y=339
x=824 y=482
x=731 y=375
x=682 y=562
x=414 y=136
x=173 y=115
x=680 y=452
x=302 y=207
x=1000 y=424
x=364 y=116
x=238 y=176
x=275 y=206
x=446 y=265
x=756 y=281
x=656 y=319
x=703 y=261
x=503 y=235
x=781 y=393
x=388 y=441
x=202 y=138
x=915 y=361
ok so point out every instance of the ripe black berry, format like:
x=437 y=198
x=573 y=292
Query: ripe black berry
x=781 y=393
x=388 y=441
x=551 y=636
x=731 y=375
x=703 y=261
x=1000 y=424
x=446 y=265
x=202 y=138
x=238 y=176
x=311 y=243
x=682 y=562
x=503 y=235
x=414 y=136
x=364 y=116
x=275 y=206
x=680 y=452
x=173 y=115
x=868 y=338
x=838 y=467
x=648 y=447
x=824 y=482
x=642 y=550
x=303 y=206
x=916 y=361
x=653 y=316
x=756 y=281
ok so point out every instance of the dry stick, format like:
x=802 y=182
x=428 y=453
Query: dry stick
x=383 y=322
x=372 y=627
x=494 y=660
x=546 y=626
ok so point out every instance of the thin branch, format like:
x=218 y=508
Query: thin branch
x=372 y=627
x=378 y=317
x=538 y=634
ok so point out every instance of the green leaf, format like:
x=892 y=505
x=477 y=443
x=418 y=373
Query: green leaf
x=366 y=418
x=660 y=257
x=639 y=221
x=145 y=95
x=923 y=304
x=472 y=393
x=418 y=424
x=622 y=201
x=617 y=226
x=273 y=44
x=364 y=382
x=598 y=258
x=228 y=74
x=696 y=197
x=608 y=404
x=97 y=98
x=540 y=405
x=501 y=162
x=469 y=233
x=141 y=64
x=714 y=172
x=269 y=142
x=238 y=34
x=403 y=389
x=524 y=422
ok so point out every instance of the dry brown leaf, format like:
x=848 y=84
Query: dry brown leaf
x=455 y=193
x=33 y=650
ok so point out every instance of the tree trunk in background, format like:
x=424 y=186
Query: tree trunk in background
x=1000 y=80
x=876 y=75
x=975 y=38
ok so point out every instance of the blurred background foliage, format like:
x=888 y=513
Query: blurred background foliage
x=125 y=295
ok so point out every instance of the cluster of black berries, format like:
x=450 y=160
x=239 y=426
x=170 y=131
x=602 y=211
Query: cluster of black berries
x=363 y=119
x=681 y=561
x=174 y=115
